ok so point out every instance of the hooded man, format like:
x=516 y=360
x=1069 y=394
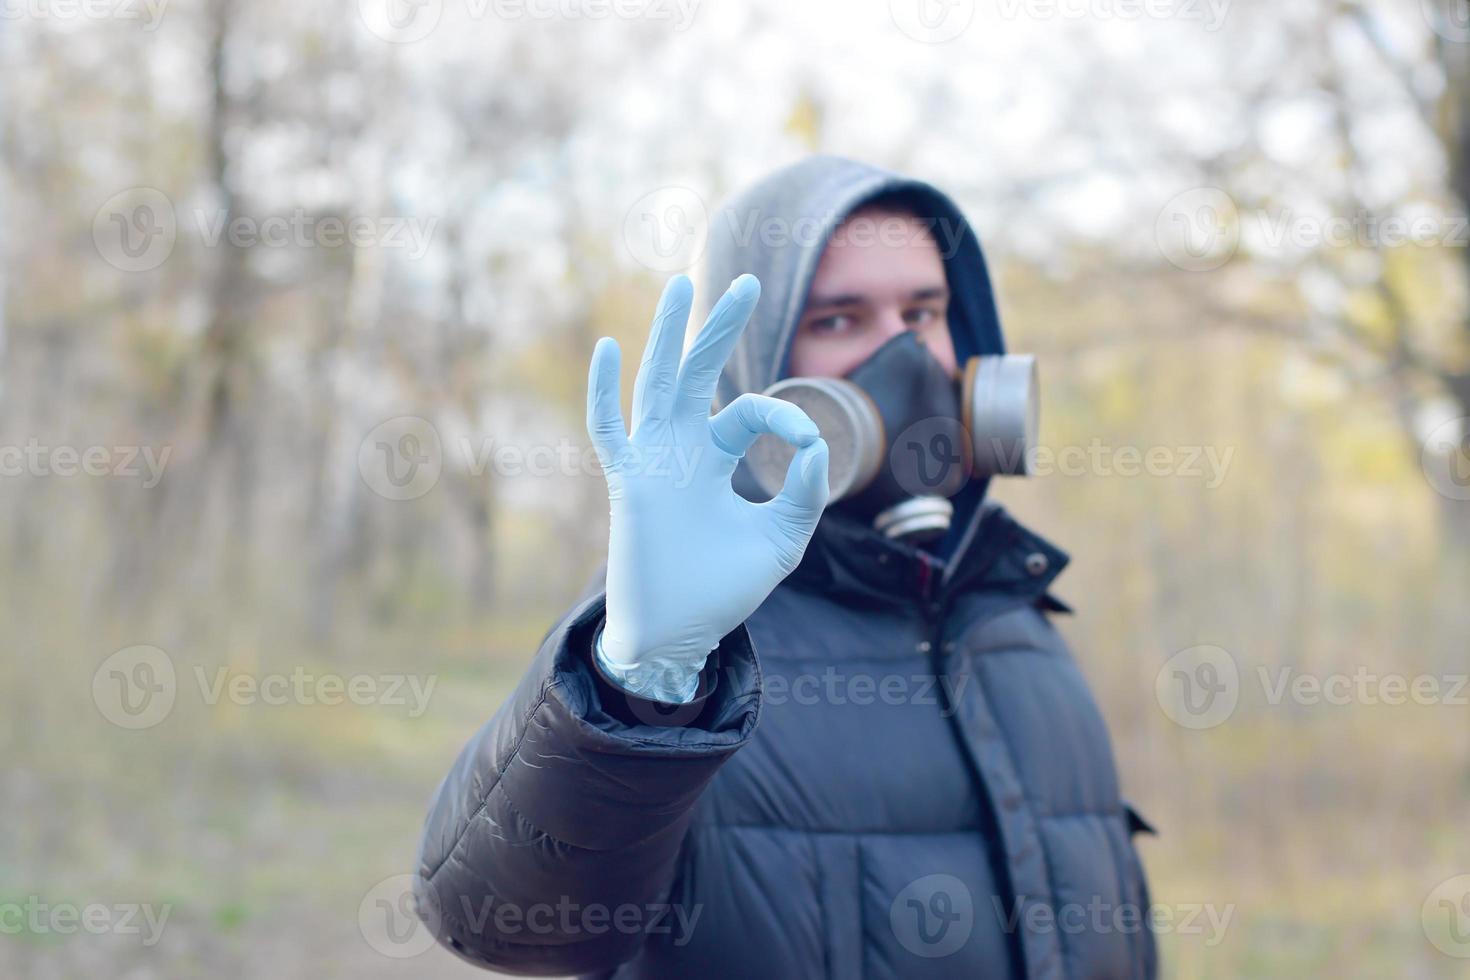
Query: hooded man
x=930 y=790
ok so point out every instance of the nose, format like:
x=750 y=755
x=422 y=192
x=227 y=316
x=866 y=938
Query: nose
x=890 y=323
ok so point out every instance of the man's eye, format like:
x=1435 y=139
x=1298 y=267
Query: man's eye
x=831 y=324
x=920 y=316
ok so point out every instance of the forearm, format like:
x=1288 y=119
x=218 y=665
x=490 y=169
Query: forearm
x=568 y=799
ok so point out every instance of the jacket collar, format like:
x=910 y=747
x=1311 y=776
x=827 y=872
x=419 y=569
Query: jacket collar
x=996 y=554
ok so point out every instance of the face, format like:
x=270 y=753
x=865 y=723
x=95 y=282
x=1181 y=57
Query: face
x=881 y=274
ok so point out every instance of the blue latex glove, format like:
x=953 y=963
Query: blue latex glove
x=688 y=558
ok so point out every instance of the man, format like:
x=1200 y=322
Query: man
x=930 y=790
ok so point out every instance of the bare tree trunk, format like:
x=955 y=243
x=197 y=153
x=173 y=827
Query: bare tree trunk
x=1455 y=59
x=331 y=491
x=473 y=494
x=209 y=438
x=227 y=364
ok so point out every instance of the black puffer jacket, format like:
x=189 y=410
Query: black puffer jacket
x=929 y=791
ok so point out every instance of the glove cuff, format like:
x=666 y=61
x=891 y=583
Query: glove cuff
x=672 y=680
x=651 y=702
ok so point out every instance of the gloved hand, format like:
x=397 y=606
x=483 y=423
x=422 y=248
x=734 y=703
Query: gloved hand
x=688 y=558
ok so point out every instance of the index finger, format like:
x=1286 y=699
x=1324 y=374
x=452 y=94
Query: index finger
x=654 y=386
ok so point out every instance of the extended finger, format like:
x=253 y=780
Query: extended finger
x=653 y=389
x=711 y=349
x=604 y=413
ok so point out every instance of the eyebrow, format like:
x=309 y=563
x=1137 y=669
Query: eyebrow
x=854 y=299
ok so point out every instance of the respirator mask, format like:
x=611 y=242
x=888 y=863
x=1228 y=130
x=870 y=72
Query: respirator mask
x=904 y=435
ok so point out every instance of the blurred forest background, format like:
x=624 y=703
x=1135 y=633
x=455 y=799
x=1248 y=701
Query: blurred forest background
x=1185 y=211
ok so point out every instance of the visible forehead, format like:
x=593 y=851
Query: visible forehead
x=877 y=249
